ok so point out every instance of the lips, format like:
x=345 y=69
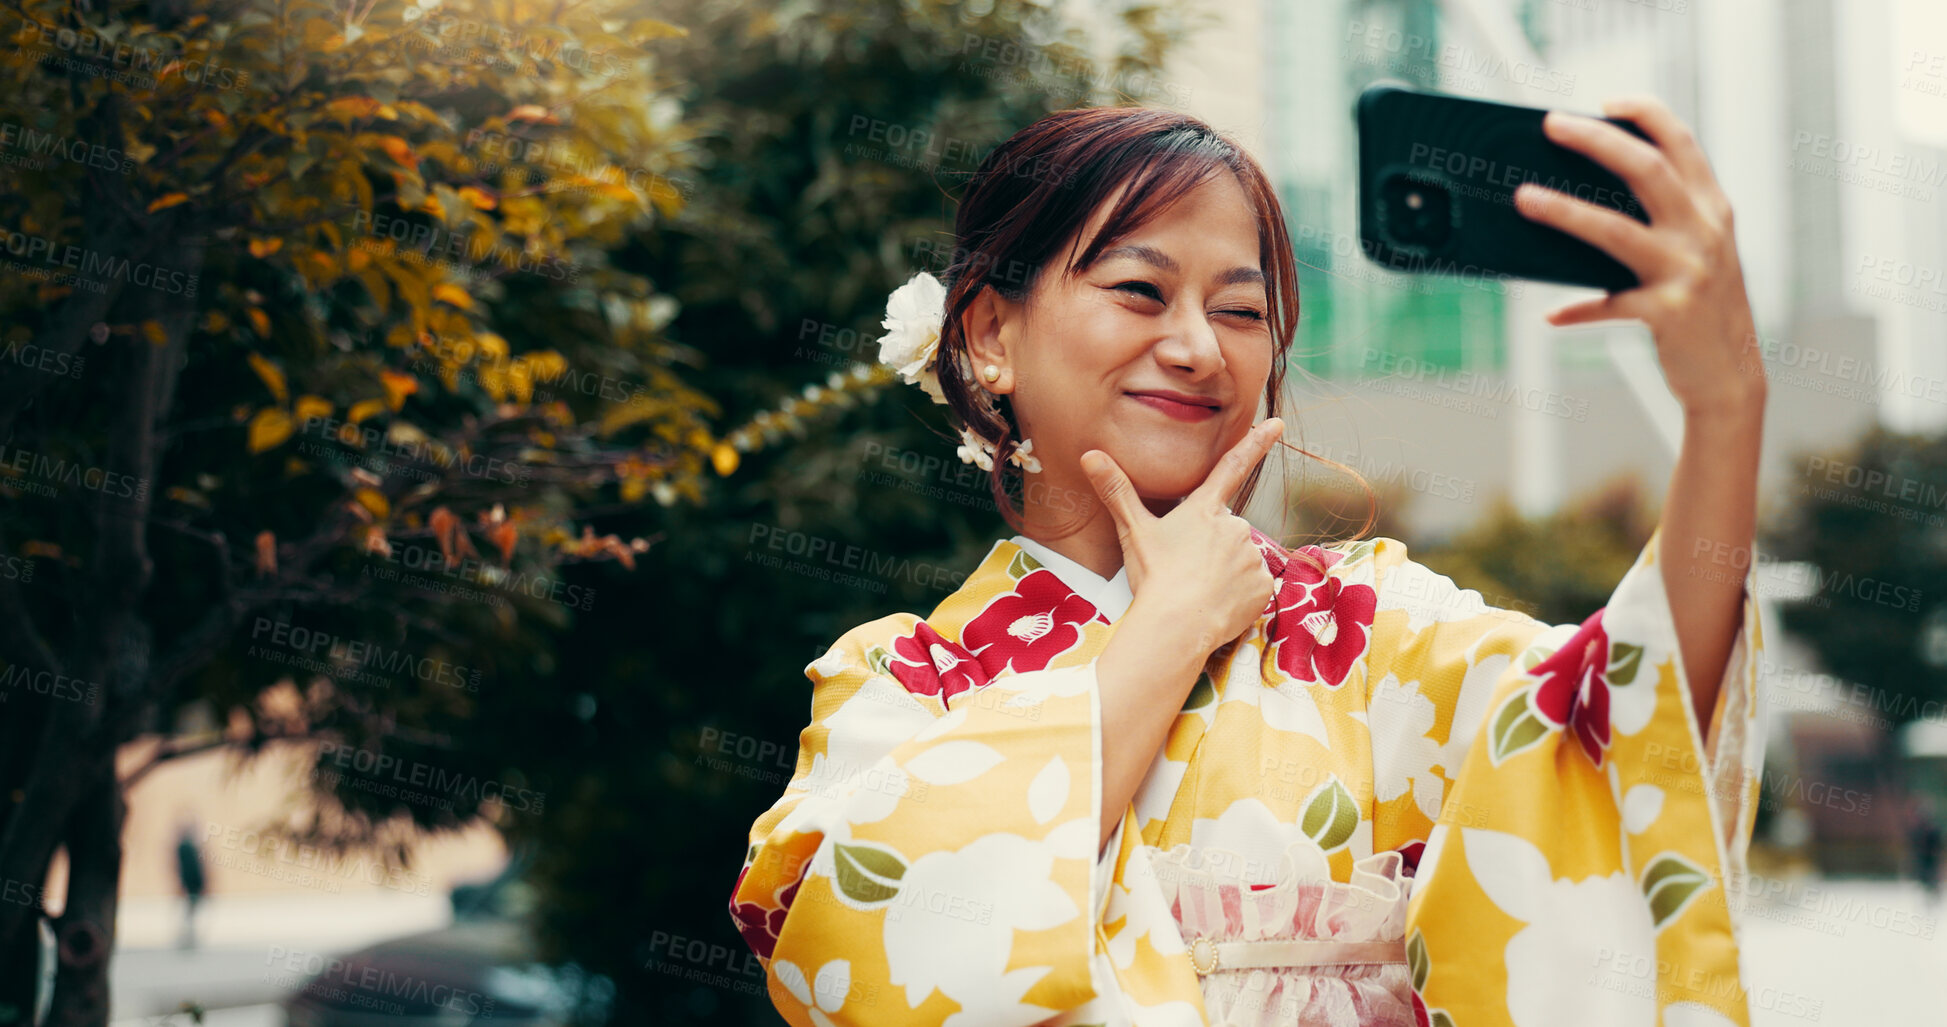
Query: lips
x=1178 y=405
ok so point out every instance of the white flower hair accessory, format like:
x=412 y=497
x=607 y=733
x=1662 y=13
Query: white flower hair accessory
x=915 y=317
x=914 y=314
x=980 y=453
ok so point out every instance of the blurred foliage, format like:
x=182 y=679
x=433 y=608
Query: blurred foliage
x=1869 y=518
x=1560 y=568
x=830 y=140
x=314 y=323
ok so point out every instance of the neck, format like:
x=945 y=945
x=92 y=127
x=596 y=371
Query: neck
x=1093 y=543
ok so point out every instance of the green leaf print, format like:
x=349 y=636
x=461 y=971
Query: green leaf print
x=1515 y=728
x=1416 y=960
x=1440 y=1018
x=1624 y=658
x=1531 y=656
x=1022 y=565
x=1201 y=694
x=1330 y=815
x=1669 y=884
x=878 y=659
x=867 y=874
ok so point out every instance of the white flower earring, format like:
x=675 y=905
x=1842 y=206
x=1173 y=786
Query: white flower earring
x=915 y=316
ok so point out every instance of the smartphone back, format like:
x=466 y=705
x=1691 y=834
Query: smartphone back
x=1437 y=175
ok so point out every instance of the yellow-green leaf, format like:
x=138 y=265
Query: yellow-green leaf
x=373 y=500
x=1330 y=816
x=447 y=292
x=268 y=429
x=363 y=409
x=867 y=874
x=1514 y=728
x=308 y=407
x=273 y=377
x=1669 y=884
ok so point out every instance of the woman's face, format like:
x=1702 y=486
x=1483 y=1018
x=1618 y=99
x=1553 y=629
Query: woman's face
x=1156 y=354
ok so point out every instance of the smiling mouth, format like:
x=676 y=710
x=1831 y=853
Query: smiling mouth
x=1177 y=406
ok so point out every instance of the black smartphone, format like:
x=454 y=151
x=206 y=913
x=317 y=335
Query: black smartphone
x=1437 y=175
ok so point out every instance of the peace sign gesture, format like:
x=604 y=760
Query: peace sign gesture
x=1198 y=557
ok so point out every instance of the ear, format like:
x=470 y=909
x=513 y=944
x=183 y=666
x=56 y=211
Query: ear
x=992 y=329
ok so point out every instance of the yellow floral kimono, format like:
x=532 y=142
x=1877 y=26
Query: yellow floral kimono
x=1386 y=803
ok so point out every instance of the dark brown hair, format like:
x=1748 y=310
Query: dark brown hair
x=1032 y=196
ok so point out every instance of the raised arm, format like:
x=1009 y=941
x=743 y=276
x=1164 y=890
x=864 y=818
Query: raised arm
x=1692 y=297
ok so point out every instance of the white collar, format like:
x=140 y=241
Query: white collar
x=1110 y=596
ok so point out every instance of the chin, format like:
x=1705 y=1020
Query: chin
x=1158 y=479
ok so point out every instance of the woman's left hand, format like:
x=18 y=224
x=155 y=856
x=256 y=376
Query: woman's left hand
x=1692 y=288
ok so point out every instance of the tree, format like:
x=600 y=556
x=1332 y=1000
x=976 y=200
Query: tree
x=295 y=295
x=1868 y=520
x=832 y=138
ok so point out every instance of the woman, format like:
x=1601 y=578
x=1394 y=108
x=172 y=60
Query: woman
x=1149 y=767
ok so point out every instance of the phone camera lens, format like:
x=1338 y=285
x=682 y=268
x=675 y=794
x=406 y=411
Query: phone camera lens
x=1416 y=212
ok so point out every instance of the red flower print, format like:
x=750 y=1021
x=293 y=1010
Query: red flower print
x=1574 y=689
x=1409 y=857
x=929 y=663
x=1321 y=624
x=760 y=924
x=1027 y=628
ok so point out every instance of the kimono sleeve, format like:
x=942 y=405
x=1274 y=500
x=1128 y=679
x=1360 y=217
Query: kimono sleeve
x=1586 y=823
x=933 y=859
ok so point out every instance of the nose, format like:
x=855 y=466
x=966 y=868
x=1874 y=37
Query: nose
x=1189 y=343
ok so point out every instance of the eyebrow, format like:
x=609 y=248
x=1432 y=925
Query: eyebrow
x=1157 y=258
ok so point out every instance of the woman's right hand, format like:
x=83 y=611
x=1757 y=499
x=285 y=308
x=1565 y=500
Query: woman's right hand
x=1196 y=562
